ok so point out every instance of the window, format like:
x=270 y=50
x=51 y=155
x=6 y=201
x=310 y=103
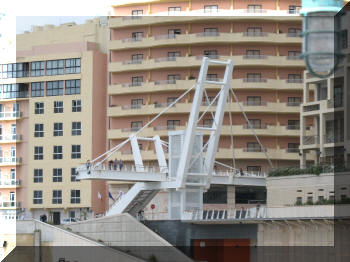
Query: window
x=320 y=199
x=173 y=32
x=173 y=10
x=137 y=36
x=210 y=9
x=76 y=105
x=215 y=195
x=76 y=151
x=38 y=153
x=137 y=13
x=16 y=70
x=211 y=32
x=75 y=196
x=57 y=152
x=11 y=91
x=294 y=32
x=211 y=53
x=39 y=130
x=293 y=54
x=253 y=77
x=57 y=175
x=294 y=9
x=254 y=31
x=253 y=100
x=72 y=66
x=37 y=68
x=39 y=108
x=37 y=197
x=172 y=124
x=38 y=89
x=57 y=129
x=252 y=54
x=294 y=78
x=57 y=197
x=170 y=100
x=136 y=80
x=254 y=8
x=72 y=87
x=293 y=124
x=135 y=126
x=293 y=148
x=38 y=176
x=172 y=55
x=254 y=169
x=208 y=122
x=299 y=200
x=256 y=123
x=76 y=128
x=73 y=175
x=58 y=106
x=54 y=88
x=310 y=200
x=136 y=58
x=54 y=67
x=212 y=77
x=136 y=103
x=172 y=78
x=344 y=39
x=253 y=147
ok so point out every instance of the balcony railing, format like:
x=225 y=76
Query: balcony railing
x=255 y=80
x=293 y=103
x=255 y=34
x=134 y=61
x=253 y=149
x=160 y=105
x=255 y=56
x=293 y=127
x=10 y=114
x=261 y=126
x=127 y=107
x=168 y=36
x=254 y=103
x=11 y=182
x=292 y=150
x=10 y=204
x=132 y=129
x=294 y=57
x=170 y=127
x=206 y=34
x=331 y=138
x=165 y=82
x=294 y=80
x=165 y=59
x=293 y=35
x=13 y=137
x=133 y=39
x=311 y=140
x=10 y=160
x=311 y=108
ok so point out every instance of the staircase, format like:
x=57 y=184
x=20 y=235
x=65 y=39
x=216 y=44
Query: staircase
x=133 y=201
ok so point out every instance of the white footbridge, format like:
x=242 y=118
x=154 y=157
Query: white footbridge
x=191 y=165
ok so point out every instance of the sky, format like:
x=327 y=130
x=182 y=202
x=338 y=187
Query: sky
x=17 y=16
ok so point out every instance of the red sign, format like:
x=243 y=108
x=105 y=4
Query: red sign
x=153 y=206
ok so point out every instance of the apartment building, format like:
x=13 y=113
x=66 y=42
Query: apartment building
x=155 y=51
x=326 y=104
x=53 y=118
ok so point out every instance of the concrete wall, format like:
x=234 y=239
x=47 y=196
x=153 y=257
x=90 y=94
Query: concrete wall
x=124 y=232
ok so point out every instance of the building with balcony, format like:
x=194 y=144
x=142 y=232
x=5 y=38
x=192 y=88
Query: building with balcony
x=155 y=52
x=326 y=104
x=53 y=117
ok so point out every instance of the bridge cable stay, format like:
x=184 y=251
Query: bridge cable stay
x=231 y=132
x=117 y=147
x=251 y=128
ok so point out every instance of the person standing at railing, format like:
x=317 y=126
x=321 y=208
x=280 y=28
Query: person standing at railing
x=115 y=164
x=110 y=164
x=241 y=172
x=121 y=165
x=88 y=166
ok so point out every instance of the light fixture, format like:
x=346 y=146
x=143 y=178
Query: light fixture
x=321 y=36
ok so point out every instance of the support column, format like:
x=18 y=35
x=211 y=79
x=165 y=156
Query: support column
x=231 y=197
x=37 y=244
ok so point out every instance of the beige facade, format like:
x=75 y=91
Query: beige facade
x=58 y=87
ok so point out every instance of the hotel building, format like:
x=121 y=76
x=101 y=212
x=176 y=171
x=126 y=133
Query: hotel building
x=53 y=117
x=155 y=52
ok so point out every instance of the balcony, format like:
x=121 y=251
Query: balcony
x=292 y=150
x=9 y=161
x=151 y=109
x=311 y=140
x=14 y=115
x=331 y=138
x=10 y=139
x=183 y=85
x=198 y=16
x=10 y=205
x=12 y=183
x=238 y=130
x=199 y=38
x=195 y=61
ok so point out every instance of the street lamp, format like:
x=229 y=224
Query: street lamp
x=321 y=31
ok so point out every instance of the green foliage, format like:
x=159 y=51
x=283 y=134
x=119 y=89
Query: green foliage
x=152 y=258
x=292 y=171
